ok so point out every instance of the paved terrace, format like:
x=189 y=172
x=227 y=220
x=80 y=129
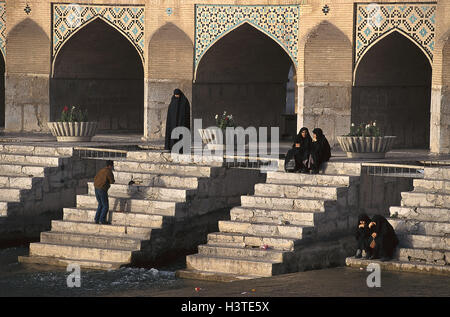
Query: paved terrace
x=133 y=141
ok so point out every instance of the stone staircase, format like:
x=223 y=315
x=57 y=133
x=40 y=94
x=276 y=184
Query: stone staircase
x=299 y=217
x=35 y=183
x=169 y=210
x=422 y=224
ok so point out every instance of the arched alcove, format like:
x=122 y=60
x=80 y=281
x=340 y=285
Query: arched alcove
x=98 y=69
x=244 y=73
x=393 y=87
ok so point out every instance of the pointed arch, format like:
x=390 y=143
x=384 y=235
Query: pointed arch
x=100 y=71
x=383 y=36
x=98 y=17
x=20 y=59
x=392 y=86
x=170 y=54
x=235 y=27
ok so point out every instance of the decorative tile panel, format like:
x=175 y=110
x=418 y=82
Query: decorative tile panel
x=415 y=20
x=279 y=22
x=69 y=18
x=3 y=28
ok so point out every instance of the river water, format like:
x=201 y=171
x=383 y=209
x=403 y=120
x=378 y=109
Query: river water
x=38 y=280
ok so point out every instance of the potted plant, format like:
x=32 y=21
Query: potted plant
x=73 y=126
x=366 y=141
x=209 y=135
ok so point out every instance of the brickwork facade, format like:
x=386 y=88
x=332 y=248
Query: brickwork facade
x=326 y=41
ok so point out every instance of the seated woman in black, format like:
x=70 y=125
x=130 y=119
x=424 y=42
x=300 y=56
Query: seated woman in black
x=362 y=235
x=302 y=149
x=320 y=151
x=383 y=239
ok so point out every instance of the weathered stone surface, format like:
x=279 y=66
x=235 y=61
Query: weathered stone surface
x=231 y=265
x=416 y=199
x=420 y=227
x=299 y=191
x=421 y=213
x=266 y=230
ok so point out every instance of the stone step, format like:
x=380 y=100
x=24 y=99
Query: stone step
x=108 y=242
x=430 y=185
x=437 y=173
x=36 y=150
x=239 y=266
x=304 y=204
x=436 y=257
x=167 y=157
x=403 y=226
x=55 y=261
x=163 y=168
x=275 y=216
x=240 y=240
x=212 y=276
x=41 y=160
x=155 y=180
x=165 y=208
x=15 y=194
x=418 y=199
x=116 y=218
x=22 y=170
x=103 y=230
x=23 y=182
x=299 y=191
x=3 y=209
x=145 y=192
x=413 y=241
x=309 y=179
x=266 y=229
x=415 y=267
x=218 y=250
x=80 y=252
x=421 y=213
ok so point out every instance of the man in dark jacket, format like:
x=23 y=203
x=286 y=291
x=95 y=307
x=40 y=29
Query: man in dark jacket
x=102 y=182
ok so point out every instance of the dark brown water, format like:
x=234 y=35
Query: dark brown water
x=19 y=280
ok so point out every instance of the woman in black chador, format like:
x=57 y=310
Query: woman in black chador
x=178 y=115
x=320 y=151
x=383 y=239
x=362 y=235
x=302 y=148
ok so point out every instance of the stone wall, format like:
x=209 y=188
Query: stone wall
x=324 y=69
x=51 y=193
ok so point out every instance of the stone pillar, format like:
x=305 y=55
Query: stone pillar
x=27 y=104
x=326 y=106
x=440 y=120
x=158 y=93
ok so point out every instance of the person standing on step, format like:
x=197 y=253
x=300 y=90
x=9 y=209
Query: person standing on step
x=178 y=115
x=102 y=182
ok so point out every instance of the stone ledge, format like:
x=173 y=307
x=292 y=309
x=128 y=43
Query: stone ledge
x=400 y=266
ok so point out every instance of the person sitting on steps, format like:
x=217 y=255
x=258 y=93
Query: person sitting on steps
x=320 y=151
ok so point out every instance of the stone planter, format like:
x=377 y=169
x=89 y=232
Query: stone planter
x=366 y=147
x=73 y=131
x=209 y=137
